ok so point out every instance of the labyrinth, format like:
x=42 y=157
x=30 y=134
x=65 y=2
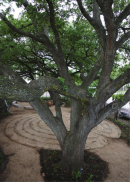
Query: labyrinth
x=31 y=130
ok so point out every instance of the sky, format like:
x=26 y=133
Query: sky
x=15 y=10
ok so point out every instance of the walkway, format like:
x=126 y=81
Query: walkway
x=30 y=130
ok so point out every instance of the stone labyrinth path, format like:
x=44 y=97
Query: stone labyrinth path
x=30 y=130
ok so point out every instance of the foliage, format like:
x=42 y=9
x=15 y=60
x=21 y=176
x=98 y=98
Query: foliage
x=81 y=59
x=89 y=179
x=117 y=96
x=44 y=98
x=76 y=175
x=62 y=82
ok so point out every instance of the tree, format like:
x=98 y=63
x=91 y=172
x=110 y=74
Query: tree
x=47 y=27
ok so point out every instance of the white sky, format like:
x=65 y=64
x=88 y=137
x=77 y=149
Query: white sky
x=16 y=11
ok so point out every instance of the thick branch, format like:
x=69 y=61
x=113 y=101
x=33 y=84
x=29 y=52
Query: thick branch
x=76 y=112
x=123 y=15
x=115 y=85
x=9 y=73
x=124 y=38
x=52 y=21
x=117 y=104
x=58 y=107
x=98 y=27
x=50 y=47
x=94 y=71
x=18 y=90
x=36 y=88
x=124 y=29
x=54 y=123
x=96 y=12
x=44 y=40
x=45 y=83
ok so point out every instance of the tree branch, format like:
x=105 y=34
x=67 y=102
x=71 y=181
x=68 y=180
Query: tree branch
x=98 y=27
x=115 y=85
x=96 y=12
x=63 y=71
x=54 y=123
x=52 y=21
x=123 y=15
x=9 y=73
x=38 y=87
x=29 y=10
x=75 y=116
x=94 y=71
x=44 y=40
x=117 y=104
x=18 y=89
x=126 y=48
x=124 y=38
x=25 y=26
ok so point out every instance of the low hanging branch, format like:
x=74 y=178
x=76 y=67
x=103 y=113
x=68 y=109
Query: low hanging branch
x=21 y=92
x=29 y=92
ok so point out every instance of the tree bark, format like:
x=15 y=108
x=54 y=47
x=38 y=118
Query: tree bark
x=52 y=96
x=73 y=152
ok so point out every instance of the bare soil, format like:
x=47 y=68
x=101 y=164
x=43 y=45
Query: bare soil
x=24 y=162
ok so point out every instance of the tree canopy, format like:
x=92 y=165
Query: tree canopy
x=67 y=58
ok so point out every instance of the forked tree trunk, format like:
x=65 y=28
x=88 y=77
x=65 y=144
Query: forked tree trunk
x=72 y=143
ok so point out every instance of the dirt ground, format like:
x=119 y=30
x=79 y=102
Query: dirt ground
x=24 y=163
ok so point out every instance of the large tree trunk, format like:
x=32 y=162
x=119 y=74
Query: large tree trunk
x=73 y=153
x=74 y=142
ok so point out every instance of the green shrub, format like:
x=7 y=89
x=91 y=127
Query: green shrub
x=44 y=98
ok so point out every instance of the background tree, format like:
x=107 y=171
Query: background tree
x=51 y=48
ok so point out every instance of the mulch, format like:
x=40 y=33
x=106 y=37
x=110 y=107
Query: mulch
x=3 y=162
x=96 y=169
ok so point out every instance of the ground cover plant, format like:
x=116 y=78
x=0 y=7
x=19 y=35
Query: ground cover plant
x=78 y=59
